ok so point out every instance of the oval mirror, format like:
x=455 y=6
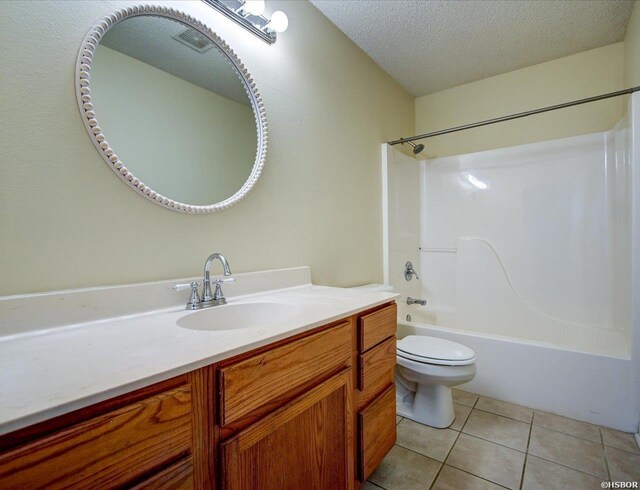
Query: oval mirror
x=171 y=109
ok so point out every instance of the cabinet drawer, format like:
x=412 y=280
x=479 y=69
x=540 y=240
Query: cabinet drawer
x=377 y=326
x=377 y=430
x=256 y=385
x=178 y=476
x=107 y=451
x=376 y=370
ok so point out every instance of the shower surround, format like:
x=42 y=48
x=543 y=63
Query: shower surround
x=524 y=254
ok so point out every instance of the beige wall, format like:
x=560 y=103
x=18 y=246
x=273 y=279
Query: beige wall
x=67 y=221
x=582 y=75
x=186 y=142
x=632 y=48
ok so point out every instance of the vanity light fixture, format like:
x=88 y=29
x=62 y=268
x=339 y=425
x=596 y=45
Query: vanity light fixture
x=248 y=14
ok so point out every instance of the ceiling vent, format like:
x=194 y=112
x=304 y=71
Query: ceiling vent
x=194 y=39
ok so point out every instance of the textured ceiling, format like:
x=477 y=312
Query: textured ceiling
x=432 y=45
x=148 y=39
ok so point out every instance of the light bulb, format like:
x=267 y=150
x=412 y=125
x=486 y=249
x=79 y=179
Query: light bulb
x=254 y=7
x=279 y=21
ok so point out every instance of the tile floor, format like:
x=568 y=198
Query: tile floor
x=494 y=444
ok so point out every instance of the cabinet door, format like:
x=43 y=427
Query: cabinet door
x=305 y=444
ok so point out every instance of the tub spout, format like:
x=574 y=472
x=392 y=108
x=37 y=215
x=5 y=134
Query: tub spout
x=414 y=301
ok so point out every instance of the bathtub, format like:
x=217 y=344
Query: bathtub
x=583 y=385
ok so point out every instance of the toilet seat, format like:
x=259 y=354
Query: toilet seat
x=433 y=350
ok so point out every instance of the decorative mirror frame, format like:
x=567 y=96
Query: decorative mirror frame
x=85 y=103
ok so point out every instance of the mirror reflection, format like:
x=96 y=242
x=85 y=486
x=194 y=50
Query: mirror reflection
x=174 y=109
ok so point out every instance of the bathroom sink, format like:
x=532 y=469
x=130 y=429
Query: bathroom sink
x=239 y=316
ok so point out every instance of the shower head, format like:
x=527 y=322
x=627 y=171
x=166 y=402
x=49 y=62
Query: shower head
x=416 y=148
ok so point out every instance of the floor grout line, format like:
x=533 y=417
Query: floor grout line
x=524 y=468
x=606 y=456
x=416 y=452
x=617 y=449
x=566 y=433
x=465 y=422
x=601 y=436
x=598 y=427
x=474 y=475
x=498 y=415
x=435 y=479
x=526 y=455
x=451 y=448
x=468 y=393
x=493 y=442
x=374 y=484
x=605 y=446
x=505 y=416
x=476 y=402
x=565 y=466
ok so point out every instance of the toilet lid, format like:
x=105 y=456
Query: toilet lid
x=433 y=350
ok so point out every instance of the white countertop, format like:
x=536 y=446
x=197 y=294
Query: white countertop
x=46 y=373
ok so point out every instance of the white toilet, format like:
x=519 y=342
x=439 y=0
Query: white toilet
x=427 y=369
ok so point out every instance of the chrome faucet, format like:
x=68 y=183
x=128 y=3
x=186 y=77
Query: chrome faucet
x=217 y=298
x=409 y=272
x=208 y=298
x=414 y=301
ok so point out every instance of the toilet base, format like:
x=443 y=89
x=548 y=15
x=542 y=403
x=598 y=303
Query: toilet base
x=430 y=405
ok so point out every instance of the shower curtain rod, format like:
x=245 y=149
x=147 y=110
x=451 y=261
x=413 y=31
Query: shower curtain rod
x=518 y=115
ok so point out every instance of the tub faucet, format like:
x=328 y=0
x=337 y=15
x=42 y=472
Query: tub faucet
x=414 y=301
x=208 y=298
x=409 y=272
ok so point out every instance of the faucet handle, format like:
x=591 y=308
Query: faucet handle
x=194 y=298
x=184 y=285
x=222 y=280
x=217 y=294
x=409 y=271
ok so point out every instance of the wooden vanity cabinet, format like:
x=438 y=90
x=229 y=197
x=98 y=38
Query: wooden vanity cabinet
x=316 y=410
x=376 y=400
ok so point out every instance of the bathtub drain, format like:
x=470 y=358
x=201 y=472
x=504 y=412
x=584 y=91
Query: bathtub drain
x=408 y=318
